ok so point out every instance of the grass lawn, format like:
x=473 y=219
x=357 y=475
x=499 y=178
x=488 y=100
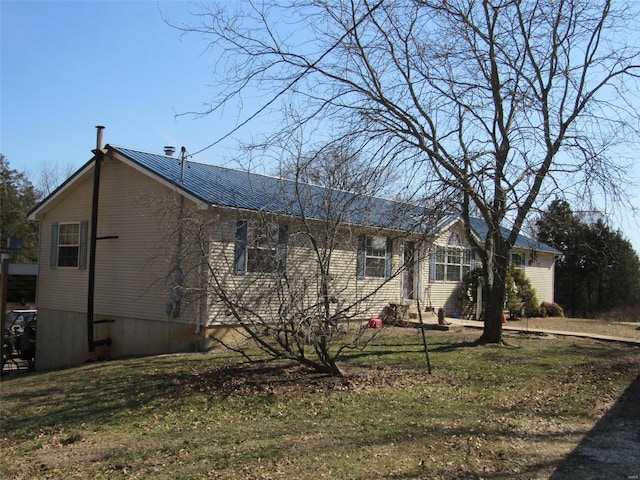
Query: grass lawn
x=513 y=411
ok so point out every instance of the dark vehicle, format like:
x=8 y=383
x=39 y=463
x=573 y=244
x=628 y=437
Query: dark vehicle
x=20 y=338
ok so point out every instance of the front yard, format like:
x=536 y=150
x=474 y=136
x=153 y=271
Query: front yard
x=518 y=410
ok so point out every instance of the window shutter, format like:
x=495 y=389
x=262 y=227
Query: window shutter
x=240 y=259
x=283 y=237
x=388 y=265
x=82 y=250
x=432 y=265
x=473 y=259
x=53 y=259
x=361 y=255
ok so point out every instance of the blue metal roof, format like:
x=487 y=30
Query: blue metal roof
x=480 y=229
x=233 y=188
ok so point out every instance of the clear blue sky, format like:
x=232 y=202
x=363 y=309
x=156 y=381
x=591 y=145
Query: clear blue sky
x=67 y=66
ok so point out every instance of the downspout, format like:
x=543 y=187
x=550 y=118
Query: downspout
x=177 y=276
x=99 y=156
x=202 y=314
x=199 y=305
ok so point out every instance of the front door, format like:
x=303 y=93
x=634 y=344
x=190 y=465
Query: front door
x=408 y=272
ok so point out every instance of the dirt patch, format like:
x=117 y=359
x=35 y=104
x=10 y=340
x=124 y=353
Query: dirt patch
x=285 y=379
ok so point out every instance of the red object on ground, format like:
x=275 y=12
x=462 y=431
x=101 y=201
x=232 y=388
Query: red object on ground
x=504 y=318
x=375 y=323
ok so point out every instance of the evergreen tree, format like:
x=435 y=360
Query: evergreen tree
x=17 y=197
x=598 y=269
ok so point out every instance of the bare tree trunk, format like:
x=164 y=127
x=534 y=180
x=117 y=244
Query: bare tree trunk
x=495 y=258
x=493 y=316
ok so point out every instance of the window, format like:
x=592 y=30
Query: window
x=260 y=248
x=374 y=256
x=69 y=245
x=517 y=260
x=451 y=263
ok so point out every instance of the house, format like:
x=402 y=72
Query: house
x=452 y=257
x=116 y=253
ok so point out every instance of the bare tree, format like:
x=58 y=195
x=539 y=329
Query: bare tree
x=51 y=176
x=502 y=101
x=288 y=273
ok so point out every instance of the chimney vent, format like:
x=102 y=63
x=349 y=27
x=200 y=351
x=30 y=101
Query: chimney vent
x=169 y=150
x=99 y=129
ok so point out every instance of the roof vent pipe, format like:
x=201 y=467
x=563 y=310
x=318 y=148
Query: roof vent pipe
x=100 y=129
x=169 y=150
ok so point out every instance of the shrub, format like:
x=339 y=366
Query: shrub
x=520 y=294
x=548 y=309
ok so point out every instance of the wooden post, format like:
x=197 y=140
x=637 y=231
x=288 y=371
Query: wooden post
x=479 y=301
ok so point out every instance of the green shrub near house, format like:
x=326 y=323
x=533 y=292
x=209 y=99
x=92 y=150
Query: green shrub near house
x=521 y=296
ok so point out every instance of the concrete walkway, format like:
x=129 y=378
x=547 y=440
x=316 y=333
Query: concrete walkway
x=510 y=328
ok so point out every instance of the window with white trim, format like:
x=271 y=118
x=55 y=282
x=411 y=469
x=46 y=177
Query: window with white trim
x=374 y=256
x=453 y=262
x=260 y=247
x=69 y=245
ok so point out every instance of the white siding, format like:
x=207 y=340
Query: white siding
x=131 y=273
x=301 y=267
x=540 y=273
x=130 y=269
x=63 y=288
